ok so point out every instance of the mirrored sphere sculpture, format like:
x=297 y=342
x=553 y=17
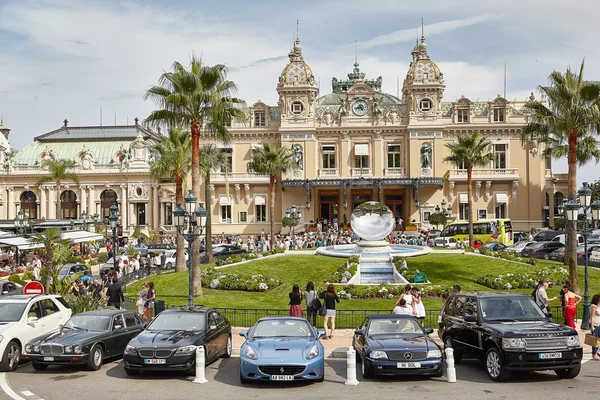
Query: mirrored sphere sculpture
x=372 y=221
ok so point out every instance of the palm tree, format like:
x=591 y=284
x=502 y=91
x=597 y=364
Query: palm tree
x=469 y=152
x=567 y=126
x=173 y=159
x=196 y=97
x=271 y=160
x=211 y=159
x=59 y=171
x=50 y=239
x=595 y=186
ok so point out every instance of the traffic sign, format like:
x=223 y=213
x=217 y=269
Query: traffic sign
x=33 y=287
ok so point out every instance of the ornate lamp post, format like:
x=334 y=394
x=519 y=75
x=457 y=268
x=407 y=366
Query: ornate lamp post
x=572 y=208
x=22 y=223
x=188 y=218
x=294 y=214
x=113 y=220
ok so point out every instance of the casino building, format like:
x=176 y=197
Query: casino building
x=352 y=145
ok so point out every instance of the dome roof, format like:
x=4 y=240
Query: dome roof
x=422 y=69
x=297 y=72
x=333 y=99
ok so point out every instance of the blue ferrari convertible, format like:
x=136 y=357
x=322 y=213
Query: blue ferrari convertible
x=282 y=349
x=396 y=345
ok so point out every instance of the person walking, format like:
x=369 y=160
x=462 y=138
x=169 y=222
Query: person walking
x=114 y=293
x=295 y=302
x=310 y=295
x=571 y=301
x=330 y=299
x=149 y=304
x=595 y=324
x=142 y=300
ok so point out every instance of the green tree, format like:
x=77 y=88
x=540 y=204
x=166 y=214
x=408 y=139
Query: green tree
x=211 y=159
x=438 y=219
x=173 y=159
x=470 y=151
x=595 y=186
x=197 y=97
x=52 y=240
x=59 y=172
x=273 y=161
x=567 y=126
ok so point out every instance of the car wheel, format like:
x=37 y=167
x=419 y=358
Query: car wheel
x=228 y=348
x=546 y=256
x=457 y=354
x=132 y=372
x=322 y=378
x=244 y=380
x=568 y=373
x=39 y=367
x=494 y=365
x=96 y=358
x=169 y=265
x=366 y=369
x=11 y=357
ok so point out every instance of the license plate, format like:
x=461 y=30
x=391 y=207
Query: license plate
x=155 y=361
x=545 y=356
x=48 y=358
x=409 y=365
x=282 y=377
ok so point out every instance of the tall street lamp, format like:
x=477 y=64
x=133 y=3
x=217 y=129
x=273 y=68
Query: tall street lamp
x=113 y=220
x=294 y=214
x=188 y=218
x=22 y=223
x=572 y=208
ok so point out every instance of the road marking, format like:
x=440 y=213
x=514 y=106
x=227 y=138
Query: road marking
x=27 y=393
x=4 y=385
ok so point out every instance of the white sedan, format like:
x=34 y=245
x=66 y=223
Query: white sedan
x=170 y=262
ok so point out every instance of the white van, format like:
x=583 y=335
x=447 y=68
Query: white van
x=563 y=237
x=448 y=242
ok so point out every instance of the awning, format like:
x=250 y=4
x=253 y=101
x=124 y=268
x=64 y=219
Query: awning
x=255 y=146
x=224 y=201
x=463 y=198
x=328 y=148
x=20 y=242
x=361 y=149
x=260 y=200
x=501 y=198
x=81 y=236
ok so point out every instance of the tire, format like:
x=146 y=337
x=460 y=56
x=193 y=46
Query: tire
x=439 y=374
x=39 y=367
x=568 y=373
x=169 y=265
x=243 y=380
x=132 y=372
x=546 y=256
x=11 y=357
x=96 y=358
x=228 y=347
x=366 y=369
x=494 y=366
x=457 y=354
x=321 y=379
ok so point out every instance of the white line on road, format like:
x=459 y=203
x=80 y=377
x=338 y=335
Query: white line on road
x=27 y=393
x=4 y=385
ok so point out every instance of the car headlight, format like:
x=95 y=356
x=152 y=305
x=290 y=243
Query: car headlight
x=513 y=343
x=186 y=350
x=312 y=353
x=130 y=350
x=378 y=355
x=573 y=341
x=434 y=354
x=36 y=348
x=28 y=348
x=77 y=349
x=250 y=353
x=68 y=349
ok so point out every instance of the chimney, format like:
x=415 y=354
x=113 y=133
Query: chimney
x=65 y=122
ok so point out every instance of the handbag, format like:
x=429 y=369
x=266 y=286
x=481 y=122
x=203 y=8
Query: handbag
x=146 y=304
x=323 y=310
x=592 y=340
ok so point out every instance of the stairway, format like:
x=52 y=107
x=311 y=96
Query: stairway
x=375 y=269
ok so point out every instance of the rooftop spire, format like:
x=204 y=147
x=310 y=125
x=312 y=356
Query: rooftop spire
x=422 y=30
x=297 y=29
x=355 y=52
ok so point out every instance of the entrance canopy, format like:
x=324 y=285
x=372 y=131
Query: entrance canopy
x=18 y=241
x=81 y=236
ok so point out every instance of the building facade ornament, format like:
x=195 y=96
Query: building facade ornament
x=477 y=190
x=515 y=185
x=213 y=195
x=237 y=193
x=247 y=193
x=488 y=186
x=451 y=191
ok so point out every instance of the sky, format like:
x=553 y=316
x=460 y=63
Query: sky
x=70 y=59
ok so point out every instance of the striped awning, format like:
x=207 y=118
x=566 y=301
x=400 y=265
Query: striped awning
x=463 y=198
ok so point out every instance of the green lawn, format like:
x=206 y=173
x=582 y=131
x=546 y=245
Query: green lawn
x=441 y=269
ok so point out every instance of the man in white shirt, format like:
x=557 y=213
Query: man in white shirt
x=402 y=308
x=37 y=267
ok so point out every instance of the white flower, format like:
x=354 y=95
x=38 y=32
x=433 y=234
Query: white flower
x=383 y=290
x=214 y=284
x=348 y=296
x=507 y=286
x=390 y=296
x=344 y=280
x=263 y=286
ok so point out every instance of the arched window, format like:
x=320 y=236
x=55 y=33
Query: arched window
x=68 y=204
x=107 y=199
x=558 y=199
x=29 y=204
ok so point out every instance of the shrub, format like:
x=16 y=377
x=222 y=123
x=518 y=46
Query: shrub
x=17 y=279
x=354 y=259
x=28 y=275
x=74 y=260
x=102 y=258
x=83 y=303
x=525 y=280
x=253 y=283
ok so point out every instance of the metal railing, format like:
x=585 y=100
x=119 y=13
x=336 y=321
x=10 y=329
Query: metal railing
x=485 y=172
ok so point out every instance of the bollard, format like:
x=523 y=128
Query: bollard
x=200 y=361
x=351 y=367
x=450 y=370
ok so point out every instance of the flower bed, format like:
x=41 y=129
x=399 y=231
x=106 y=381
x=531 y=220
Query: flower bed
x=505 y=255
x=249 y=283
x=349 y=292
x=525 y=280
x=404 y=270
x=344 y=273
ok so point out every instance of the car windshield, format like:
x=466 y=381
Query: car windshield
x=282 y=328
x=11 y=312
x=395 y=326
x=89 y=322
x=178 y=321
x=510 y=309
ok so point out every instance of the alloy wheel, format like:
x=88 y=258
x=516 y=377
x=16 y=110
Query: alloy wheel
x=14 y=356
x=493 y=364
x=98 y=357
x=229 y=345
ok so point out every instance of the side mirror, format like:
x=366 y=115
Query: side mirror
x=244 y=334
x=470 y=318
x=32 y=320
x=429 y=331
x=358 y=332
x=321 y=334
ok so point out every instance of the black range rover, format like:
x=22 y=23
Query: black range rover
x=510 y=333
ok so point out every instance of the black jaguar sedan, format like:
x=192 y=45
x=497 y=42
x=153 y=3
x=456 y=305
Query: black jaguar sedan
x=396 y=345
x=169 y=343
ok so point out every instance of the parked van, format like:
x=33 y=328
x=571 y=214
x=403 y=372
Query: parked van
x=563 y=237
x=449 y=242
x=545 y=235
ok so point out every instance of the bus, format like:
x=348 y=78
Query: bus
x=486 y=230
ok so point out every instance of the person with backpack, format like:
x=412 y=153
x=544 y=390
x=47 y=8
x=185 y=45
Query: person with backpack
x=313 y=304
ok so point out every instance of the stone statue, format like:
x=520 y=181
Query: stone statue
x=343 y=103
x=377 y=105
x=426 y=156
x=298 y=155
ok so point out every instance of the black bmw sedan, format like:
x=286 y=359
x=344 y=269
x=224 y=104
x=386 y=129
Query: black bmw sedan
x=169 y=343
x=396 y=345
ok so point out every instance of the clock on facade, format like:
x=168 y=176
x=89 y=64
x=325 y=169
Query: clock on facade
x=360 y=107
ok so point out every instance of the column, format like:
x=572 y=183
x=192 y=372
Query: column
x=51 y=202
x=11 y=202
x=2 y=202
x=551 y=206
x=43 y=203
x=132 y=215
x=124 y=206
x=83 y=201
x=146 y=215
x=161 y=216
x=91 y=200
x=155 y=216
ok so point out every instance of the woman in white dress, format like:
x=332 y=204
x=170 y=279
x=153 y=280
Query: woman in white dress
x=408 y=297
x=419 y=308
